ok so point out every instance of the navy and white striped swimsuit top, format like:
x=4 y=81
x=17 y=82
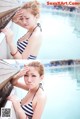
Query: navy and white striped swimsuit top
x=28 y=109
x=21 y=45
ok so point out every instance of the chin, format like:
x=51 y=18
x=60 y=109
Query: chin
x=30 y=86
x=26 y=27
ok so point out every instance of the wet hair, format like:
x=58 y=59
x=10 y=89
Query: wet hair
x=34 y=6
x=38 y=66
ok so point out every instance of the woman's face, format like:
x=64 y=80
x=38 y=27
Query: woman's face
x=32 y=78
x=28 y=19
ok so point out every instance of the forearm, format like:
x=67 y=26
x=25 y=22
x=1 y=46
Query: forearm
x=19 y=110
x=14 y=51
x=9 y=39
x=15 y=79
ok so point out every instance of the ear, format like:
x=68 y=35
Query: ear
x=42 y=77
x=37 y=16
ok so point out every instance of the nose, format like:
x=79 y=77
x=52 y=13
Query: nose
x=29 y=79
x=24 y=21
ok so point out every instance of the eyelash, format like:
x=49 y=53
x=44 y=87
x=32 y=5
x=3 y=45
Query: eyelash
x=28 y=76
x=27 y=18
x=22 y=18
x=33 y=75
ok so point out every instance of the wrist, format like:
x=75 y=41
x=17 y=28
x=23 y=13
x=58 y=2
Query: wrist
x=14 y=53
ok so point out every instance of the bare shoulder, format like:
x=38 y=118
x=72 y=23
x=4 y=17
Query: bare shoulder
x=41 y=96
x=37 y=35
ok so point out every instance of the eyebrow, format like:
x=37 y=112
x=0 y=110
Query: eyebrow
x=25 y=16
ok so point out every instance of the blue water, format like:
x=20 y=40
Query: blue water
x=61 y=34
x=62 y=86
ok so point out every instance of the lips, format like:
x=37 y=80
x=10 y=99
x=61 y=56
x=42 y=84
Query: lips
x=29 y=84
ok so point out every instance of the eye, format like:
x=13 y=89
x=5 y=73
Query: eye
x=27 y=18
x=26 y=75
x=33 y=75
x=21 y=18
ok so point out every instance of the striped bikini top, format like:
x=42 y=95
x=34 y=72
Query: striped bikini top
x=21 y=45
x=28 y=109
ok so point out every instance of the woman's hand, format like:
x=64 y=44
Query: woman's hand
x=23 y=71
x=9 y=34
x=19 y=75
x=17 y=16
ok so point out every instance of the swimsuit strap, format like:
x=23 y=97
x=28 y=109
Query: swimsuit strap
x=38 y=25
x=32 y=32
x=35 y=93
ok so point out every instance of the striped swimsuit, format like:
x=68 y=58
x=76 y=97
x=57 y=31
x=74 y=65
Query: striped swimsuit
x=28 y=109
x=21 y=45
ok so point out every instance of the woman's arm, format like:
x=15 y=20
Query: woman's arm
x=34 y=45
x=17 y=18
x=9 y=39
x=17 y=107
x=32 y=48
x=39 y=107
x=15 y=80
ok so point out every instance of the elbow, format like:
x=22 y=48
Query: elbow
x=13 y=82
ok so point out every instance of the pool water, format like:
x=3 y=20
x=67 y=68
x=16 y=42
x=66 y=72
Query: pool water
x=61 y=36
x=63 y=93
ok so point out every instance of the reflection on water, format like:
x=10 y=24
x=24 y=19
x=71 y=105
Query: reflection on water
x=77 y=76
x=62 y=87
x=73 y=19
x=73 y=71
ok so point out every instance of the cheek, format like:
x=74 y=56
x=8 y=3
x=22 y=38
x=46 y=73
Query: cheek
x=32 y=19
x=25 y=79
x=38 y=80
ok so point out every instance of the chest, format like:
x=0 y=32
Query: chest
x=24 y=37
x=29 y=99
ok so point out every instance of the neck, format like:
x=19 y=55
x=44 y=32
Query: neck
x=32 y=28
x=34 y=89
